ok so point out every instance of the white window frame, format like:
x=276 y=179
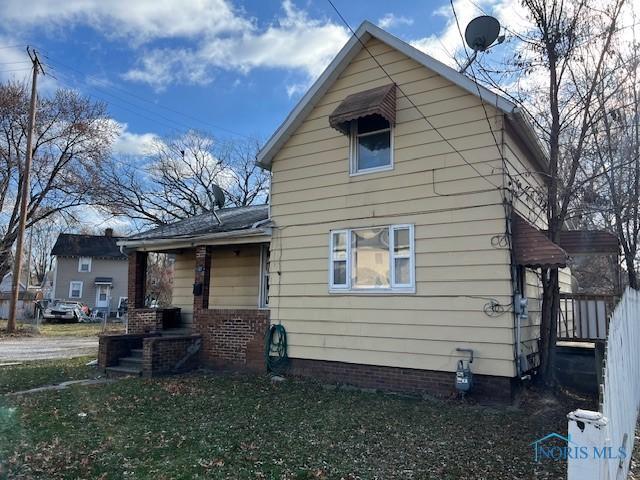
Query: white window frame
x=393 y=287
x=71 y=283
x=353 y=150
x=80 y=262
x=340 y=286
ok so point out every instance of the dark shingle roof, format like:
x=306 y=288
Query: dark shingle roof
x=71 y=245
x=585 y=242
x=233 y=218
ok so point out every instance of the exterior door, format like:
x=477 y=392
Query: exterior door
x=102 y=296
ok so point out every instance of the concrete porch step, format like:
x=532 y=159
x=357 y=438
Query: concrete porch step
x=131 y=362
x=118 y=371
x=136 y=353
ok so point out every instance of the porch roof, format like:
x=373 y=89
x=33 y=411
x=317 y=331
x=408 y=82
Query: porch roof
x=234 y=220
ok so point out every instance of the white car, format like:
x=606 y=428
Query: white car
x=62 y=311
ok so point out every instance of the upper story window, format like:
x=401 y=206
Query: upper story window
x=367 y=118
x=371 y=144
x=377 y=259
x=84 y=264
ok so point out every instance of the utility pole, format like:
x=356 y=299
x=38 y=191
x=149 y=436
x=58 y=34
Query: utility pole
x=24 y=192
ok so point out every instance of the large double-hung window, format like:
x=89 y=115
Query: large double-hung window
x=372 y=260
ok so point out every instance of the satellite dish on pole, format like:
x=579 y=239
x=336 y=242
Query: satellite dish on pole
x=480 y=34
x=218 y=195
x=218 y=200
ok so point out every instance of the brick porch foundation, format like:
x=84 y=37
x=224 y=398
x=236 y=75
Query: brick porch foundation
x=232 y=338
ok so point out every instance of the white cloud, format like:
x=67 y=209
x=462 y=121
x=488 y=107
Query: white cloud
x=129 y=143
x=139 y=19
x=294 y=41
x=446 y=44
x=390 y=20
x=213 y=34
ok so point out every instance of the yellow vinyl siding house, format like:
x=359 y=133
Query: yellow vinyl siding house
x=388 y=241
x=446 y=180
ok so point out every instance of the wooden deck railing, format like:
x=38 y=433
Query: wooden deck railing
x=585 y=317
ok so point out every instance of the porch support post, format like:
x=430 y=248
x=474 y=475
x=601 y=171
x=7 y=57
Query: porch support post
x=201 y=279
x=137 y=279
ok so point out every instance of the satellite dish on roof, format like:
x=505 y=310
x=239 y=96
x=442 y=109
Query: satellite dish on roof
x=218 y=200
x=218 y=196
x=480 y=34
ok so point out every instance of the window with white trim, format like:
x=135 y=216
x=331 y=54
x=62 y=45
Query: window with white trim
x=375 y=259
x=84 y=264
x=75 y=289
x=371 y=147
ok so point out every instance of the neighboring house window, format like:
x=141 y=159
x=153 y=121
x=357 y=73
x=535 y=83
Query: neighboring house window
x=377 y=259
x=264 y=277
x=75 y=290
x=371 y=144
x=84 y=264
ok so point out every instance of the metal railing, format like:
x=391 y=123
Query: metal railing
x=585 y=317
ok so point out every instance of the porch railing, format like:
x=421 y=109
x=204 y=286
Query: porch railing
x=585 y=317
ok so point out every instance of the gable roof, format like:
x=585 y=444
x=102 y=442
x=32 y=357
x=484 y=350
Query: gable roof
x=366 y=31
x=7 y=283
x=74 y=245
x=233 y=219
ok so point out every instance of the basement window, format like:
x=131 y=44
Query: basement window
x=371 y=145
x=372 y=260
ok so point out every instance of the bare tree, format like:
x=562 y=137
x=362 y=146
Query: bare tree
x=558 y=66
x=72 y=138
x=41 y=239
x=175 y=180
x=616 y=152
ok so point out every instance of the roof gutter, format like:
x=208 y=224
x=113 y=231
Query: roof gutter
x=193 y=239
x=525 y=131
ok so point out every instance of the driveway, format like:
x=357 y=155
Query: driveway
x=42 y=348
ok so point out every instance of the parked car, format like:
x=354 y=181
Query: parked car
x=63 y=311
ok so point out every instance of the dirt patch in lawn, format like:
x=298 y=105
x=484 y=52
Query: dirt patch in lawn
x=245 y=427
x=61 y=329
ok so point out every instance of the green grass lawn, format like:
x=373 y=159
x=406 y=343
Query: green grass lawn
x=63 y=329
x=45 y=372
x=243 y=427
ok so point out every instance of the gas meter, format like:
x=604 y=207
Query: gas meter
x=464 y=376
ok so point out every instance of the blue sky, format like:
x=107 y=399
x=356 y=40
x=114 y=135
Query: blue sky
x=238 y=65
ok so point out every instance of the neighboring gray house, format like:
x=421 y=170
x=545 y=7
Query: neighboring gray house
x=25 y=299
x=90 y=269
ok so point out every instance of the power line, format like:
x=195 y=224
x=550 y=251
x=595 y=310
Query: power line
x=407 y=97
x=143 y=99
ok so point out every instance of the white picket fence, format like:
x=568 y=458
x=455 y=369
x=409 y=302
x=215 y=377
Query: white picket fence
x=607 y=433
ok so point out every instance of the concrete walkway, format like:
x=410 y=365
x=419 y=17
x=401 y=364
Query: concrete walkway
x=43 y=348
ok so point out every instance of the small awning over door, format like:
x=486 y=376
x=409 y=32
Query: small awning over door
x=104 y=281
x=532 y=248
x=376 y=101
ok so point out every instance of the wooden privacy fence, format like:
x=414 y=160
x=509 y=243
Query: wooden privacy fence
x=585 y=317
x=607 y=435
